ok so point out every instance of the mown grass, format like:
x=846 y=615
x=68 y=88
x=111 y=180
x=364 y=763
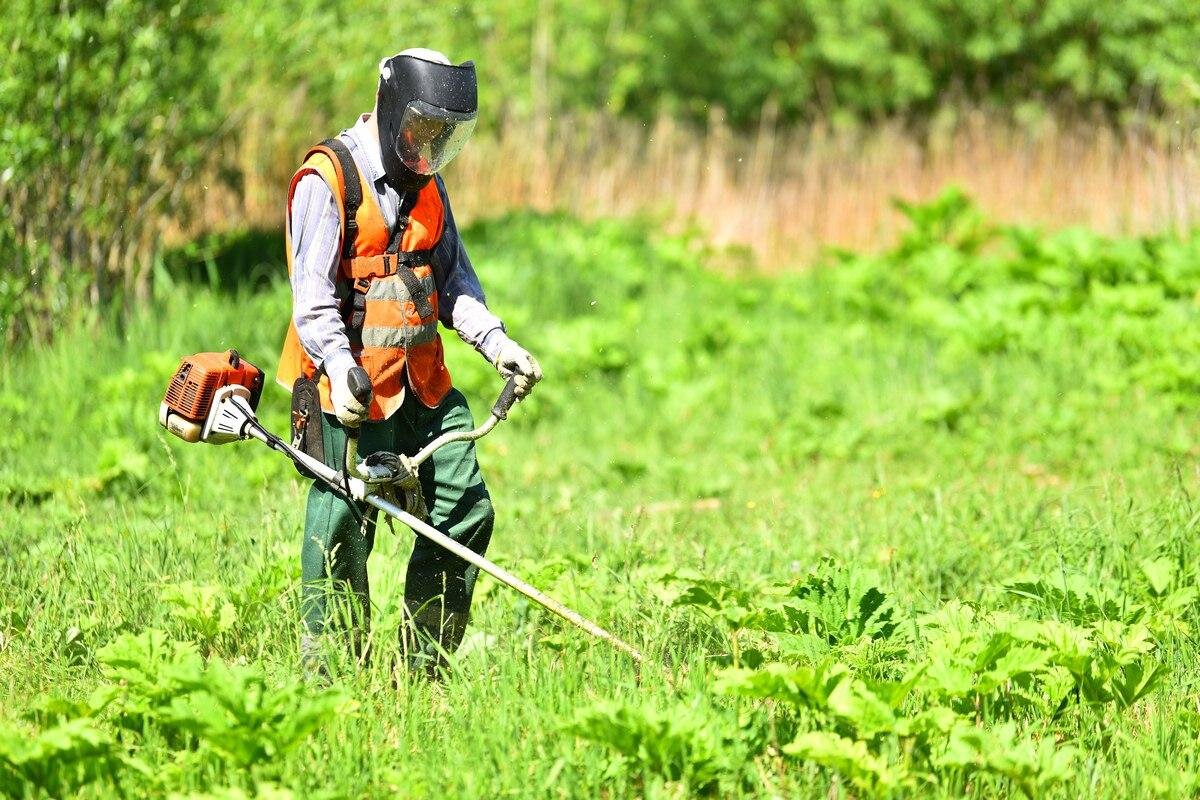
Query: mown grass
x=977 y=405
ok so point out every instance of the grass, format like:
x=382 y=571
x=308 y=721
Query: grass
x=955 y=424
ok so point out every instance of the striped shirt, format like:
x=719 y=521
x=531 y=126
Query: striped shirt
x=316 y=227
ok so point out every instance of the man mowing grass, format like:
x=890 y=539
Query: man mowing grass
x=376 y=261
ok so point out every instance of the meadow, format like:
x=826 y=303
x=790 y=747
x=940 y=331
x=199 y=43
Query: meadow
x=919 y=523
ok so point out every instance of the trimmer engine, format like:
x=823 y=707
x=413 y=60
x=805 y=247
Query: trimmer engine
x=196 y=401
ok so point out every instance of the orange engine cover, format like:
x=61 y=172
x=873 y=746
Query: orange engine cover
x=190 y=393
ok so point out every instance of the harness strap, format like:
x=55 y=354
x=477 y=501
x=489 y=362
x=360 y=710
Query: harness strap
x=405 y=262
x=351 y=193
x=392 y=262
x=408 y=201
x=358 y=312
x=417 y=292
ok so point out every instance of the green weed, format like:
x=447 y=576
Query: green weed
x=919 y=523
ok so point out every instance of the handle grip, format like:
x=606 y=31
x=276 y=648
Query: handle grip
x=359 y=384
x=507 y=398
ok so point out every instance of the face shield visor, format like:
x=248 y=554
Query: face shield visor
x=430 y=137
x=427 y=111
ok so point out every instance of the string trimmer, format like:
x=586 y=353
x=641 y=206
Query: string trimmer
x=213 y=396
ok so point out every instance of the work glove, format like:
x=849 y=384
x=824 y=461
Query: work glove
x=349 y=409
x=512 y=360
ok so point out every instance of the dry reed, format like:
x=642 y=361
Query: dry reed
x=785 y=194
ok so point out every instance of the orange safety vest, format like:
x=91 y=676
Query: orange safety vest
x=387 y=287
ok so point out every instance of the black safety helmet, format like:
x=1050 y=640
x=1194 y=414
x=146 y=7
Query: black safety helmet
x=427 y=109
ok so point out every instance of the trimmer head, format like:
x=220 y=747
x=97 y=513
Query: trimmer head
x=211 y=397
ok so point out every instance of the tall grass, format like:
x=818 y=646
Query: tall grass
x=786 y=193
x=948 y=415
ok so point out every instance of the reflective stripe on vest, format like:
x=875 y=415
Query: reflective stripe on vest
x=392 y=317
x=396 y=341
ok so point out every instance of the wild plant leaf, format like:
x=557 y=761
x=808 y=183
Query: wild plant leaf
x=1069 y=646
x=851 y=701
x=680 y=744
x=234 y=711
x=266 y=587
x=205 y=610
x=149 y=665
x=842 y=604
x=1135 y=681
x=949 y=678
x=894 y=693
x=53 y=709
x=1033 y=767
x=1076 y=598
x=801 y=687
x=1018 y=661
x=995 y=647
x=800 y=648
x=1125 y=643
x=62 y=759
x=1159 y=574
x=849 y=757
x=933 y=722
x=735 y=607
x=690 y=588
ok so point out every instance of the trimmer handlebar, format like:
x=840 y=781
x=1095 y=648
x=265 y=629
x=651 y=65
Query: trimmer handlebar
x=506 y=400
x=504 y=403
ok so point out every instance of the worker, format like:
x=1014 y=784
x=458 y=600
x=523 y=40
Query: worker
x=376 y=261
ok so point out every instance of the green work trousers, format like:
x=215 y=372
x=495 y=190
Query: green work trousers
x=337 y=542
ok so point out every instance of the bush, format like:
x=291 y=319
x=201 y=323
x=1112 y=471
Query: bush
x=108 y=109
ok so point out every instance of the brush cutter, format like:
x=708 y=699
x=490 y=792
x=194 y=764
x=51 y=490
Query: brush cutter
x=213 y=396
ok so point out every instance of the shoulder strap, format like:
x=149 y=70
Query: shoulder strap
x=407 y=261
x=408 y=201
x=351 y=193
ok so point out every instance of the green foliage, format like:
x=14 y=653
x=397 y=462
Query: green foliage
x=108 y=108
x=245 y=720
x=204 y=610
x=119 y=115
x=1033 y=767
x=18 y=296
x=679 y=744
x=974 y=288
x=876 y=552
x=60 y=759
x=965 y=667
x=163 y=688
x=849 y=757
x=843 y=606
x=878 y=57
x=860 y=59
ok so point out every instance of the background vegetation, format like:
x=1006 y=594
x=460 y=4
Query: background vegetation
x=917 y=521
x=125 y=122
x=108 y=110
x=865 y=59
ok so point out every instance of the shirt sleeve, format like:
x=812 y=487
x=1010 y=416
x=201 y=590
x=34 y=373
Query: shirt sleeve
x=462 y=306
x=316 y=227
